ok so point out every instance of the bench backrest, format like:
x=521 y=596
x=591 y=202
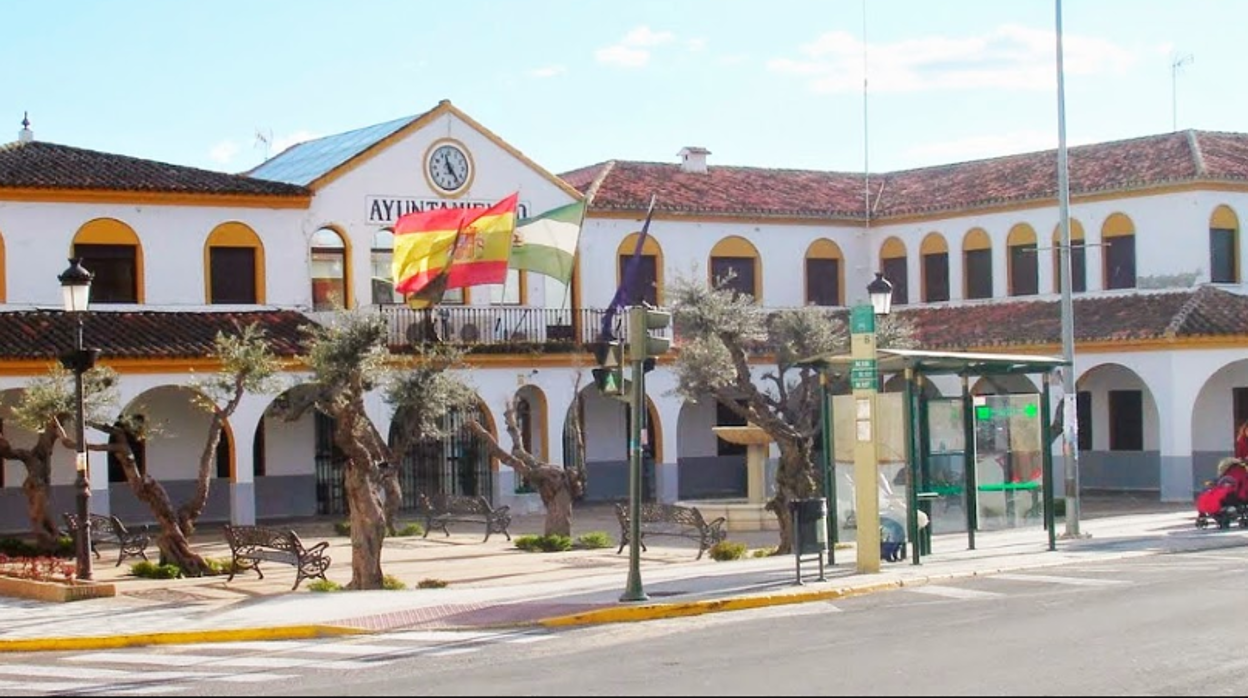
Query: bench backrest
x=240 y=537
x=454 y=504
x=657 y=513
x=102 y=527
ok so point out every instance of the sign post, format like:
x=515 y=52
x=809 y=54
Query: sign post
x=864 y=379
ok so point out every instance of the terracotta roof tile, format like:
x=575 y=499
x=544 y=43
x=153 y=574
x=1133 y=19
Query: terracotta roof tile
x=40 y=165
x=1204 y=312
x=44 y=334
x=1114 y=166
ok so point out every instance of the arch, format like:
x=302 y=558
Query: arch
x=234 y=236
x=1224 y=246
x=177 y=425
x=896 y=268
x=976 y=264
x=654 y=427
x=1220 y=405
x=824 y=259
x=708 y=466
x=230 y=445
x=330 y=251
x=381 y=261
x=1022 y=264
x=738 y=255
x=539 y=412
x=1118 y=235
x=1078 y=258
x=1104 y=463
x=651 y=272
x=934 y=268
x=1011 y=384
x=115 y=251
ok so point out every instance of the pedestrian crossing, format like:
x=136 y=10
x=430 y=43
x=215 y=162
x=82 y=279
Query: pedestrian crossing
x=169 y=670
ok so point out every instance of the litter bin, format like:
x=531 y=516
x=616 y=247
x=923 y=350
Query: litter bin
x=810 y=528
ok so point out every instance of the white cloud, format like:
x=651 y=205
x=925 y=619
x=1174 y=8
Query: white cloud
x=696 y=44
x=1009 y=57
x=633 y=51
x=733 y=59
x=549 y=71
x=223 y=152
x=986 y=146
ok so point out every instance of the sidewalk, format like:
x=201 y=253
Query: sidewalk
x=492 y=585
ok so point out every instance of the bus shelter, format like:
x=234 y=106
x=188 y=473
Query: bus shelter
x=991 y=425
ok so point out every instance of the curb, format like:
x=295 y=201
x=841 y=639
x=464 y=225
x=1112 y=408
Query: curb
x=102 y=642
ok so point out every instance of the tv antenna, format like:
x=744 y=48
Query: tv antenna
x=1175 y=65
x=264 y=139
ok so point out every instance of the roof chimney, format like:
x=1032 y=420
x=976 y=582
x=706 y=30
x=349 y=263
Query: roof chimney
x=693 y=159
x=25 y=135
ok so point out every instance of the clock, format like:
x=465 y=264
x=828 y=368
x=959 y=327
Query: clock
x=448 y=167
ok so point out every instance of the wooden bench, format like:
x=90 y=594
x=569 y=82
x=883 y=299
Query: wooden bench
x=251 y=545
x=110 y=529
x=672 y=520
x=440 y=510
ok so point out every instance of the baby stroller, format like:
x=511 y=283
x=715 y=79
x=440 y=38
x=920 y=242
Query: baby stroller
x=1226 y=499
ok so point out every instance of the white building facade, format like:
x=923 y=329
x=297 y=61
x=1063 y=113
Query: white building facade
x=1161 y=322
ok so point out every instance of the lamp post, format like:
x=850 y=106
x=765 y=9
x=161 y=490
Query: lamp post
x=76 y=293
x=864 y=378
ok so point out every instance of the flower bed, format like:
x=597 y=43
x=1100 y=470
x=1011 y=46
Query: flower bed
x=47 y=579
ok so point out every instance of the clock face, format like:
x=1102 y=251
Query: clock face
x=449 y=167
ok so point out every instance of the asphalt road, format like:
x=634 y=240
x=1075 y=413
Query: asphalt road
x=1160 y=625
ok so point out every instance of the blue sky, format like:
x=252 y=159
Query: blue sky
x=569 y=82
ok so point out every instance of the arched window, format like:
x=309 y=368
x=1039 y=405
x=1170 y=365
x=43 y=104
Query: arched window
x=977 y=264
x=330 y=261
x=1024 y=270
x=1118 y=238
x=894 y=267
x=382 y=258
x=935 y=268
x=111 y=251
x=649 y=281
x=1224 y=246
x=1078 y=258
x=825 y=284
x=234 y=265
x=513 y=290
x=734 y=265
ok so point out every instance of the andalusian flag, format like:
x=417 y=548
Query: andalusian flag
x=484 y=245
x=547 y=244
x=452 y=248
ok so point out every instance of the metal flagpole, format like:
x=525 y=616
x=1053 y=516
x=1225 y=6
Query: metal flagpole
x=1070 y=424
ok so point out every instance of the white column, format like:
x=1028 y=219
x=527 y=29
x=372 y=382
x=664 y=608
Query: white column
x=1175 y=396
x=667 y=407
x=243 y=424
x=957 y=271
x=97 y=471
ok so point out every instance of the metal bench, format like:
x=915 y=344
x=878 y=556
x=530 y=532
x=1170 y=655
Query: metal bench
x=672 y=520
x=110 y=529
x=440 y=510
x=251 y=545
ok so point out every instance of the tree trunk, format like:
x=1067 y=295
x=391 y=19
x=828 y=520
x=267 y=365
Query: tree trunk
x=394 y=499
x=795 y=479
x=173 y=543
x=191 y=510
x=38 y=503
x=552 y=484
x=368 y=519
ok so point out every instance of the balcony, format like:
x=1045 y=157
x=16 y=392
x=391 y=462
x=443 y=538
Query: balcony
x=498 y=329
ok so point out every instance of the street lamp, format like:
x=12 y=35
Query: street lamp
x=76 y=292
x=881 y=292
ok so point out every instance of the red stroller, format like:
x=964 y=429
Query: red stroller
x=1225 y=500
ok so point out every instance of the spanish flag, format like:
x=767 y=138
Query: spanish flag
x=453 y=248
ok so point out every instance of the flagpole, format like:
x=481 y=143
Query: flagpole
x=630 y=273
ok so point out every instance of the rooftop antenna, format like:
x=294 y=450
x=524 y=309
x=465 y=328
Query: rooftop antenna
x=1175 y=65
x=264 y=139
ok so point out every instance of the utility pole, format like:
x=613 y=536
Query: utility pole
x=1070 y=423
x=1175 y=65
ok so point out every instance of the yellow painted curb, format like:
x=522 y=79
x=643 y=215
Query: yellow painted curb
x=288 y=632
x=627 y=614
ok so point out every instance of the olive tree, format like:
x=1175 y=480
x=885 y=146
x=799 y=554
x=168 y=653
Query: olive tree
x=749 y=360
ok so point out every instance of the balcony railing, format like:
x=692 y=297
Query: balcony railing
x=547 y=329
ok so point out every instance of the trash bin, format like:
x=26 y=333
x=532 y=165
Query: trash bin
x=810 y=528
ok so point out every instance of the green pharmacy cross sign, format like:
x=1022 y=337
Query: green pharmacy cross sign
x=986 y=413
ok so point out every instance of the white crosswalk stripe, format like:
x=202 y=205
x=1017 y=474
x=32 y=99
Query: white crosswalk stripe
x=170 y=670
x=953 y=592
x=1049 y=579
